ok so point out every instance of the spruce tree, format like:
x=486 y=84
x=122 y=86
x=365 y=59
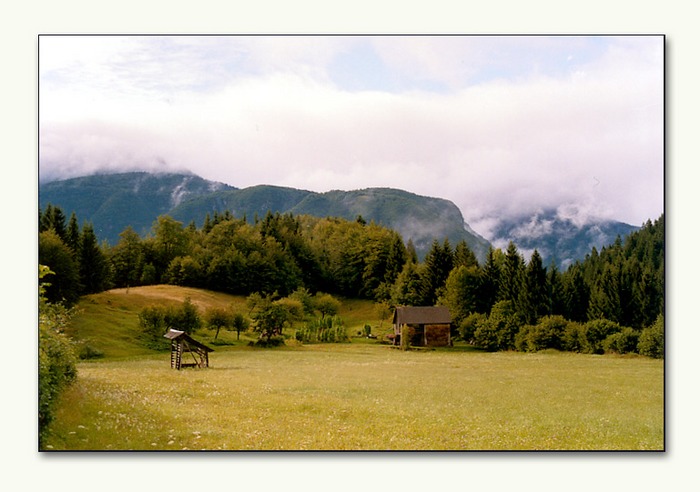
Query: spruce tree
x=490 y=280
x=511 y=283
x=534 y=300
x=438 y=265
x=94 y=269
x=73 y=234
x=464 y=256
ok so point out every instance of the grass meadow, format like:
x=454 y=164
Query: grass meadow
x=366 y=397
x=353 y=396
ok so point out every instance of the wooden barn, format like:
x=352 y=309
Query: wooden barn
x=181 y=343
x=427 y=326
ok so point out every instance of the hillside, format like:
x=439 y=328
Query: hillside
x=108 y=321
x=113 y=202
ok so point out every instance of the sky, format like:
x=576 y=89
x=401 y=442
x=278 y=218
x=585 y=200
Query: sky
x=501 y=125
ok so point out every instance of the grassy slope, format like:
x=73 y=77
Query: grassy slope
x=109 y=321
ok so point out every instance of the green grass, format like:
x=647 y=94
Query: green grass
x=366 y=397
x=353 y=396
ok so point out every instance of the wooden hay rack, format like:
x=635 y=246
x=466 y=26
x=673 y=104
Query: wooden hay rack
x=181 y=343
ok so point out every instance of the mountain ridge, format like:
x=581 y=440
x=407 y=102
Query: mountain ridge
x=111 y=202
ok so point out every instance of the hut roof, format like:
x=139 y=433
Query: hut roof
x=177 y=334
x=422 y=315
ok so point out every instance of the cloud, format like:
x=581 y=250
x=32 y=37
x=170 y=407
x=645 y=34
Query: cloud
x=500 y=126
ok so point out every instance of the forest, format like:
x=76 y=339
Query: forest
x=509 y=302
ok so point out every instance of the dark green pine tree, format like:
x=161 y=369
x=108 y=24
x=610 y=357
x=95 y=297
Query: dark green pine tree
x=73 y=234
x=94 y=268
x=576 y=294
x=54 y=219
x=438 y=265
x=511 y=283
x=411 y=253
x=464 y=256
x=605 y=295
x=397 y=258
x=555 y=291
x=533 y=302
x=490 y=281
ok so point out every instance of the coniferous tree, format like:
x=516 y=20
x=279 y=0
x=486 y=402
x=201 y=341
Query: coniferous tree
x=555 y=291
x=511 y=282
x=464 y=256
x=490 y=281
x=576 y=294
x=438 y=264
x=73 y=234
x=605 y=295
x=54 y=219
x=534 y=300
x=411 y=253
x=94 y=268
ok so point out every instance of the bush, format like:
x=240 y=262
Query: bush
x=574 y=337
x=596 y=332
x=57 y=370
x=468 y=326
x=498 y=332
x=651 y=340
x=623 y=342
x=547 y=334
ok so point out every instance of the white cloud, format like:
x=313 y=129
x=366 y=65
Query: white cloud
x=527 y=135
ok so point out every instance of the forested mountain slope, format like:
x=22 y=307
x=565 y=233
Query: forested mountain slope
x=112 y=202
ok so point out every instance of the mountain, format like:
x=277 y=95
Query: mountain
x=111 y=202
x=561 y=240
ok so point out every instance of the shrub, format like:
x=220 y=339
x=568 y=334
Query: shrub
x=468 y=326
x=596 y=332
x=547 y=334
x=57 y=370
x=622 y=342
x=574 y=337
x=498 y=332
x=486 y=336
x=651 y=340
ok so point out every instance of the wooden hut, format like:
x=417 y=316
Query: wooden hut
x=181 y=343
x=427 y=326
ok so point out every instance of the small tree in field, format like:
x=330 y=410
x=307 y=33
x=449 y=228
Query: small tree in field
x=326 y=304
x=239 y=323
x=218 y=318
x=269 y=321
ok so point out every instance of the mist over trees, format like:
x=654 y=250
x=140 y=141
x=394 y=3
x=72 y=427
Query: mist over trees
x=623 y=283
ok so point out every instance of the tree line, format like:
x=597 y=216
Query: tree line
x=280 y=253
